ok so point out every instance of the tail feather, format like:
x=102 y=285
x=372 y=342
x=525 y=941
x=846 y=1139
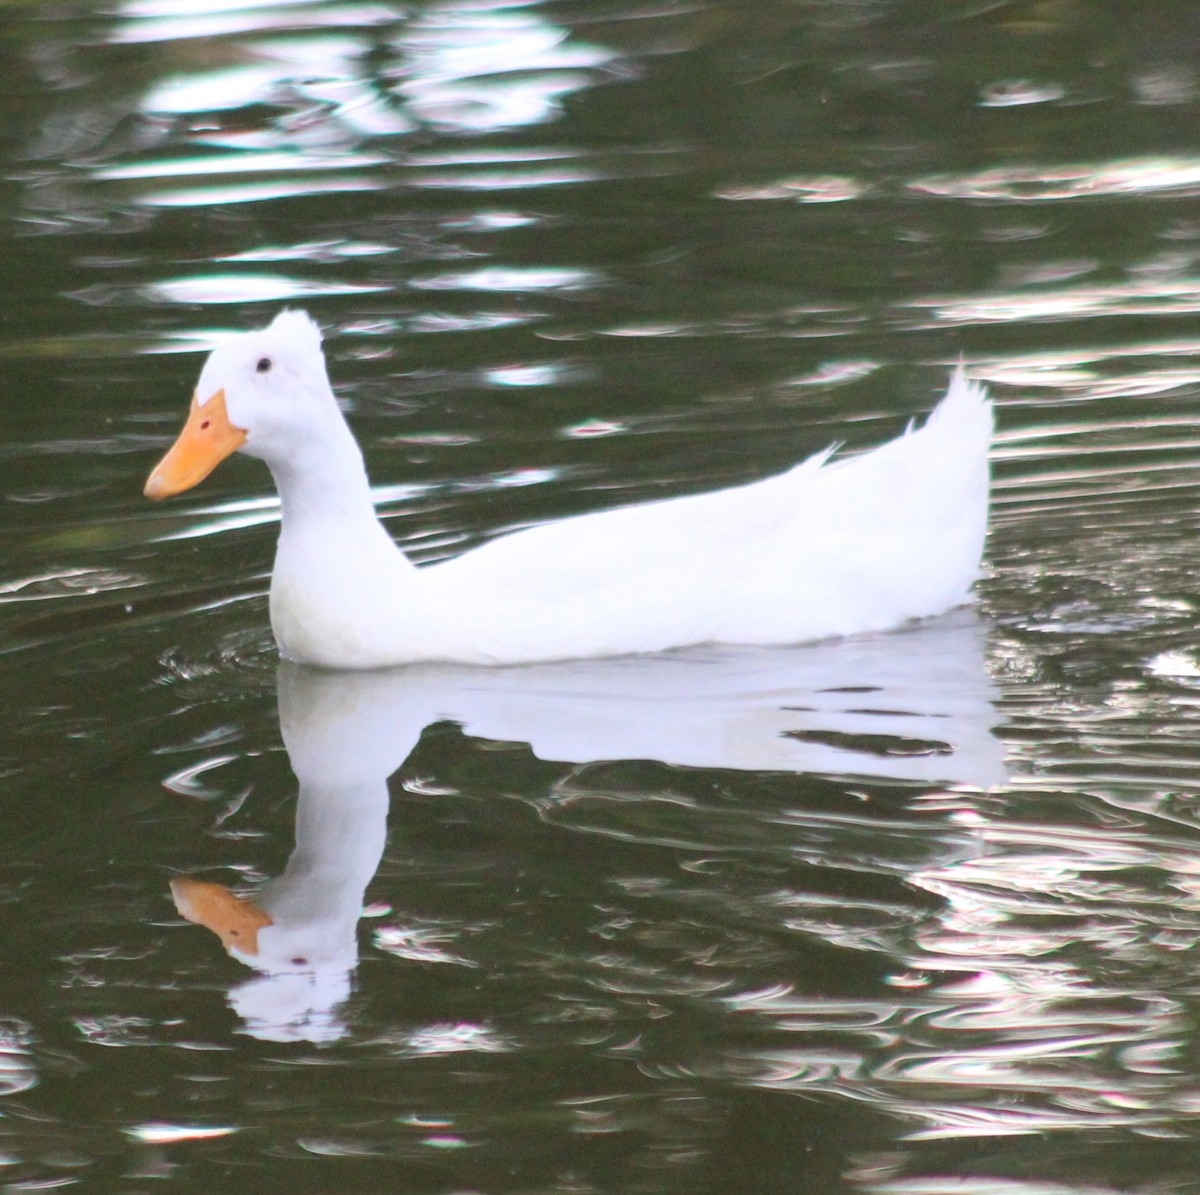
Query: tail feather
x=964 y=401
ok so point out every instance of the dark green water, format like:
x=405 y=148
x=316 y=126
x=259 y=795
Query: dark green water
x=901 y=916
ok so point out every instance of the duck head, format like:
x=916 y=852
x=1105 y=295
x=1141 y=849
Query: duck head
x=264 y=393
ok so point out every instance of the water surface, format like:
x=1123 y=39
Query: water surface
x=903 y=915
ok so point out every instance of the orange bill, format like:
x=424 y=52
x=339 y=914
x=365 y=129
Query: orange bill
x=236 y=920
x=206 y=440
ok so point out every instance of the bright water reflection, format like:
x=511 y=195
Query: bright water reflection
x=911 y=706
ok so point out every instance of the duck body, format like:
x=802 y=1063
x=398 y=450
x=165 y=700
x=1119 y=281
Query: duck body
x=828 y=548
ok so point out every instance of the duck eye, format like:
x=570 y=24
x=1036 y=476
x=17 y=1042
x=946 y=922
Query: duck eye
x=264 y=365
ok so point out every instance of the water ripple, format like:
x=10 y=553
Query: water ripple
x=68 y=583
x=159 y=1133
x=17 y=1069
x=161 y=20
x=1166 y=175
x=248 y=288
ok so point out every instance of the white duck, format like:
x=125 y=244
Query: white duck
x=828 y=548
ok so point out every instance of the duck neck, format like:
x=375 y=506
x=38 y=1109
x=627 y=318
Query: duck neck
x=324 y=481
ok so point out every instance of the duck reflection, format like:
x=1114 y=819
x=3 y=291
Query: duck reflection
x=914 y=705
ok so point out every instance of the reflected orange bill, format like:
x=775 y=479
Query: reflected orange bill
x=236 y=920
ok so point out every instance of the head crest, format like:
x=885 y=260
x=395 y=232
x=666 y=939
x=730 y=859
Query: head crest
x=299 y=326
